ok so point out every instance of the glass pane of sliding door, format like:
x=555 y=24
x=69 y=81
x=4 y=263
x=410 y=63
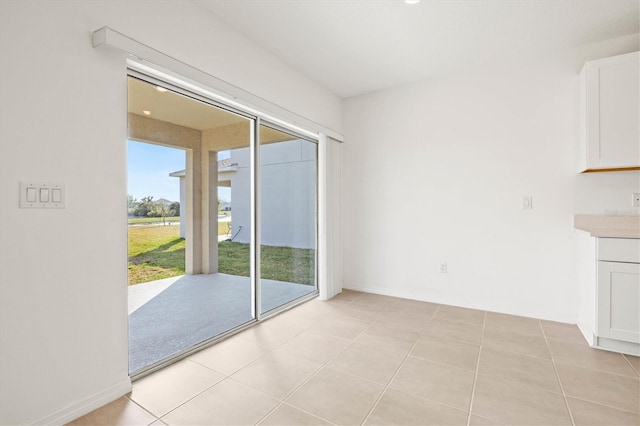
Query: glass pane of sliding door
x=184 y=301
x=287 y=214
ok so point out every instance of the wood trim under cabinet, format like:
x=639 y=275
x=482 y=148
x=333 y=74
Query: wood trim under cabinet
x=613 y=169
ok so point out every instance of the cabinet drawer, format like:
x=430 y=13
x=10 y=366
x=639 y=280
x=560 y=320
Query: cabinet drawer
x=619 y=249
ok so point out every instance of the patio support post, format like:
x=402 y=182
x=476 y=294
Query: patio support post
x=193 y=258
x=210 y=212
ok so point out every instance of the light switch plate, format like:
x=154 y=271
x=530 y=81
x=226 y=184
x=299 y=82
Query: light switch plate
x=41 y=195
x=635 y=199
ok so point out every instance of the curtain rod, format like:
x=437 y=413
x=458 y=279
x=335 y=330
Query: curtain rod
x=222 y=90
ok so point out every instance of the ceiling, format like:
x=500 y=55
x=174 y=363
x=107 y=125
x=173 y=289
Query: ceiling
x=354 y=47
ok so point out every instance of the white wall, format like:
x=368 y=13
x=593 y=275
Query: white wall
x=63 y=273
x=436 y=171
x=288 y=194
x=606 y=193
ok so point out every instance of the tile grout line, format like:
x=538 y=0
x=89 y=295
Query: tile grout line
x=226 y=376
x=574 y=397
x=567 y=361
x=629 y=362
x=209 y=387
x=598 y=370
x=561 y=361
x=404 y=360
x=282 y=400
x=475 y=377
x=624 y=410
x=308 y=379
x=601 y=403
x=259 y=422
x=127 y=396
x=311 y=376
x=514 y=352
x=555 y=370
x=279 y=400
x=194 y=396
x=188 y=400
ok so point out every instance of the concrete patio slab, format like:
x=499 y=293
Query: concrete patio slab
x=175 y=314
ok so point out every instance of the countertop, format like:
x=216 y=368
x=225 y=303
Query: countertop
x=605 y=226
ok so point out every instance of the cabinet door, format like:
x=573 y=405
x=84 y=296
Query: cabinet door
x=619 y=301
x=612 y=112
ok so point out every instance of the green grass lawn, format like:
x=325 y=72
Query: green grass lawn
x=278 y=263
x=157 y=252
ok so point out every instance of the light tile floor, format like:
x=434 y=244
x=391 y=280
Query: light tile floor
x=369 y=359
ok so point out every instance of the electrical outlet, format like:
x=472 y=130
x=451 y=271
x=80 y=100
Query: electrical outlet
x=443 y=268
x=635 y=200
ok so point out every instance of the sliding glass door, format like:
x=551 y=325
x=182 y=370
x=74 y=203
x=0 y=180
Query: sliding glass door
x=185 y=302
x=245 y=220
x=287 y=212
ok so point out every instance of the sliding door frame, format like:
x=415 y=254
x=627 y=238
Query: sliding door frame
x=255 y=221
x=256 y=246
x=258 y=118
x=316 y=141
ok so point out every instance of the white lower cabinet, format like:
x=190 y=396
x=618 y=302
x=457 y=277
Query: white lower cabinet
x=618 y=301
x=609 y=304
x=615 y=305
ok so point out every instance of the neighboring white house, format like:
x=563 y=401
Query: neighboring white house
x=287 y=194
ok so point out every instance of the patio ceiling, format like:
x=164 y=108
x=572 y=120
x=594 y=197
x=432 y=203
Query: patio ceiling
x=170 y=107
x=175 y=108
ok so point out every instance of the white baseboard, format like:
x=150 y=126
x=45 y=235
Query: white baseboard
x=87 y=405
x=376 y=290
x=587 y=333
x=618 y=346
x=488 y=308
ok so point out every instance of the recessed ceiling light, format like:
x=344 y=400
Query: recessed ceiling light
x=161 y=89
x=411 y=1
x=145 y=112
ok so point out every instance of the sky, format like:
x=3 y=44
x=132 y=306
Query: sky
x=149 y=167
x=148 y=171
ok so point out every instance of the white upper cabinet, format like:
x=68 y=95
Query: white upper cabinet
x=610 y=113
